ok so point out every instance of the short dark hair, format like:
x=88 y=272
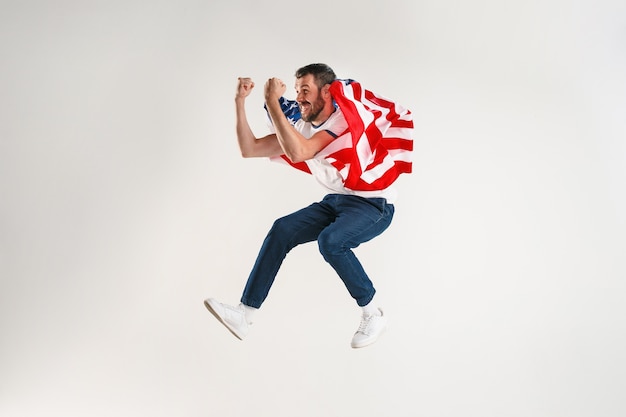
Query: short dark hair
x=323 y=74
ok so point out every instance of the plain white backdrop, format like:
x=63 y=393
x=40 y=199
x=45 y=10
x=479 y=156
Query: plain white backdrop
x=124 y=203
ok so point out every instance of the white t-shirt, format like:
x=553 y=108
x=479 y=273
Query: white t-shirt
x=326 y=174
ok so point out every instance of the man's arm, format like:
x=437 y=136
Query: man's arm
x=295 y=146
x=250 y=145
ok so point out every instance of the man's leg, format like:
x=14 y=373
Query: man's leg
x=286 y=233
x=358 y=220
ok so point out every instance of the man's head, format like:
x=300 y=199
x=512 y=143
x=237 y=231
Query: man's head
x=322 y=73
x=312 y=89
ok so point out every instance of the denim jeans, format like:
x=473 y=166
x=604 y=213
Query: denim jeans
x=338 y=223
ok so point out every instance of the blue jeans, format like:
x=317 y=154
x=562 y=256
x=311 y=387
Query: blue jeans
x=339 y=223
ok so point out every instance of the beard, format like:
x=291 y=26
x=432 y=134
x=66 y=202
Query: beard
x=315 y=109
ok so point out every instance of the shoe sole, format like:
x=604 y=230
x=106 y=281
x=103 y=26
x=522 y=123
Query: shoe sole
x=217 y=316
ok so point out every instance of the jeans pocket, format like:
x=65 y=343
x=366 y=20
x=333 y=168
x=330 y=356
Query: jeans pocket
x=383 y=207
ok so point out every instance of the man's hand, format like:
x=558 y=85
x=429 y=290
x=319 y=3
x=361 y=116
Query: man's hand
x=244 y=87
x=274 y=89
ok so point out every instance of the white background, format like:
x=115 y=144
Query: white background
x=124 y=203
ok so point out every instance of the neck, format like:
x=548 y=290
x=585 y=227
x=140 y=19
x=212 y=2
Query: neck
x=329 y=109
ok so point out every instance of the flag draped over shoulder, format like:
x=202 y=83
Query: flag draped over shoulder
x=378 y=145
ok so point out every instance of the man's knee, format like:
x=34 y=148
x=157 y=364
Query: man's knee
x=330 y=244
x=280 y=225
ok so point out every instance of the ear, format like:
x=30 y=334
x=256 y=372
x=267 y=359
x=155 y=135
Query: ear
x=326 y=91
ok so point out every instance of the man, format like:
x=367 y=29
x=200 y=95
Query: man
x=344 y=218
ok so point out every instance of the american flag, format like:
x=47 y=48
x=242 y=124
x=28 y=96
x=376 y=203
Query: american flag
x=378 y=145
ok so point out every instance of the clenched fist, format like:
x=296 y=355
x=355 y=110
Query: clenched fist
x=274 y=89
x=244 y=87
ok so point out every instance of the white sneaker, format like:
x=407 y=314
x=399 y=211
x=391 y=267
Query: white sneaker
x=371 y=327
x=234 y=318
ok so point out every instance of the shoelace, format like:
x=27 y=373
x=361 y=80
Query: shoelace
x=233 y=308
x=365 y=322
x=239 y=312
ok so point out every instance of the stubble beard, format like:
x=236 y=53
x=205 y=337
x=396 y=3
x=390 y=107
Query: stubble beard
x=314 y=110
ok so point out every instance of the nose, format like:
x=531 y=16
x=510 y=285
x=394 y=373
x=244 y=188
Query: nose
x=300 y=97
